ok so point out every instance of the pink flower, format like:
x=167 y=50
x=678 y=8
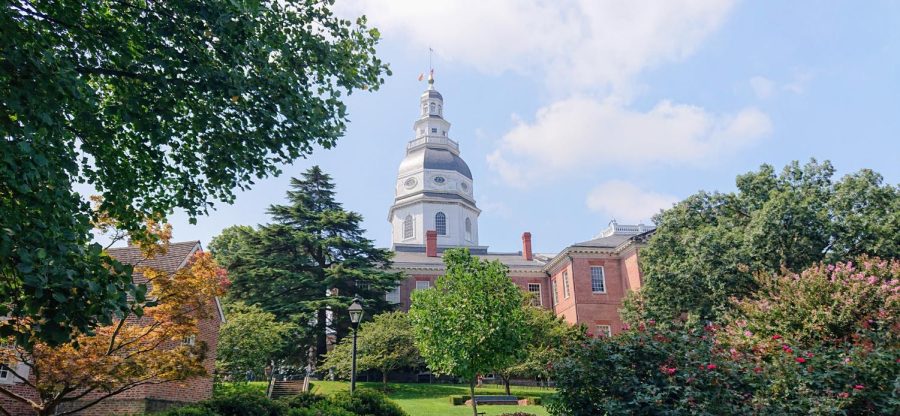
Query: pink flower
x=757 y=370
x=843 y=395
x=858 y=387
x=787 y=349
x=710 y=366
x=800 y=360
x=776 y=337
x=668 y=370
x=748 y=334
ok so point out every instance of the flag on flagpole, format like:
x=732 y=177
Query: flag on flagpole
x=421 y=76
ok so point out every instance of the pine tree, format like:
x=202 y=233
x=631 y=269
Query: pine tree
x=308 y=263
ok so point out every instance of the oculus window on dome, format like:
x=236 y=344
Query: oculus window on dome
x=439 y=179
x=440 y=223
x=410 y=183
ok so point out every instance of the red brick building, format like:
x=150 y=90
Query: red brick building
x=434 y=209
x=147 y=397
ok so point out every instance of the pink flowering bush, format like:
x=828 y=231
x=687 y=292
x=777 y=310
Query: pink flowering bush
x=824 y=341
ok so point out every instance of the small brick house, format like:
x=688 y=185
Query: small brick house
x=147 y=397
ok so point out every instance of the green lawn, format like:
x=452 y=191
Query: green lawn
x=421 y=399
x=434 y=399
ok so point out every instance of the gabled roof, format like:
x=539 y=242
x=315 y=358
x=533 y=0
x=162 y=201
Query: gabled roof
x=175 y=258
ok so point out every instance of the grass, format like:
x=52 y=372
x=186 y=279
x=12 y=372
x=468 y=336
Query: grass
x=434 y=399
x=422 y=399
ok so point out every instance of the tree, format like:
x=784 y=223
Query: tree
x=470 y=323
x=384 y=344
x=549 y=337
x=707 y=248
x=250 y=338
x=308 y=264
x=143 y=346
x=157 y=106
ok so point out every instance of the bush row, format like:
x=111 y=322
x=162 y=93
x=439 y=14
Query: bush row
x=249 y=403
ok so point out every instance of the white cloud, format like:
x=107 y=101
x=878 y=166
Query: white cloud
x=570 y=43
x=762 y=87
x=582 y=135
x=626 y=202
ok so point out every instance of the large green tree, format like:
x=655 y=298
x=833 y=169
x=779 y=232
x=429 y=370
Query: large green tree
x=155 y=105
x=384 y=344
x=307 y=265
x=471 y=322
x=249 y=339
x=548 y=338
x=708 y=248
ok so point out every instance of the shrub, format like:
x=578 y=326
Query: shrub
x=193 y=410
x=823 y=341
x=303 y=400
x=367 y=402
x=459 y=400
x=245 y=404
x=321 y=409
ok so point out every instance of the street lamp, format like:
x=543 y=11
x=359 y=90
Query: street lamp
x=356 y=313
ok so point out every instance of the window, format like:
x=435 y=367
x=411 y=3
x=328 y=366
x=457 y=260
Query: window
x=604 y=331
x=432 y=108
x=598 y=280
x=468 y=229
x=554 y=292
x=422 y=284
x=535 y=289
x=189 y=340
x=424 y=109
x=5 y=372
x=440 y=110
x=393 y=296
x=408 y=231
x=440 y=223
x=566 y=284
x=434 y=129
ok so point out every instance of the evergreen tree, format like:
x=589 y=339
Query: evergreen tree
x=307 y=265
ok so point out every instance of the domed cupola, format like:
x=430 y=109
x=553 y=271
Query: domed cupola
x=434 y=184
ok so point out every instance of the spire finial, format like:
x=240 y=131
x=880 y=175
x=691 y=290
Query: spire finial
x=430 y=68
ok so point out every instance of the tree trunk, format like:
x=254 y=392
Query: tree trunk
x=472 y=392
x=321 y=337
x=506 y=383
x=384 y=380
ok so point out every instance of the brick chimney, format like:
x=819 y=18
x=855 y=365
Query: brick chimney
x=431 y=243
x=526 y=246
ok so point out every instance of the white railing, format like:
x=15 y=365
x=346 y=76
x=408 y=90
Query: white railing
x=433 y=140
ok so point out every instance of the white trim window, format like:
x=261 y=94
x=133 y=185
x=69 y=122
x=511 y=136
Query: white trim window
x=408 y=227
x=535 y=289
x=598 y=279
x=422 y=284
x=440 y=223
x=468 y=229
x=604 y=331
x=565 y=284
x=5 y=373
x=189 y=340
x=555 y=292
x=393 y=296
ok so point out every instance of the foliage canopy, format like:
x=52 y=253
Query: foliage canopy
x=156 y=106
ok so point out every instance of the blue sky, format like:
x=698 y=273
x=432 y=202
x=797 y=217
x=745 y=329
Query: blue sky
x=571 y=113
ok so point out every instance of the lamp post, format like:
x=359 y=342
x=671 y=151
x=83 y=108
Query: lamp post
x=356 y=313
